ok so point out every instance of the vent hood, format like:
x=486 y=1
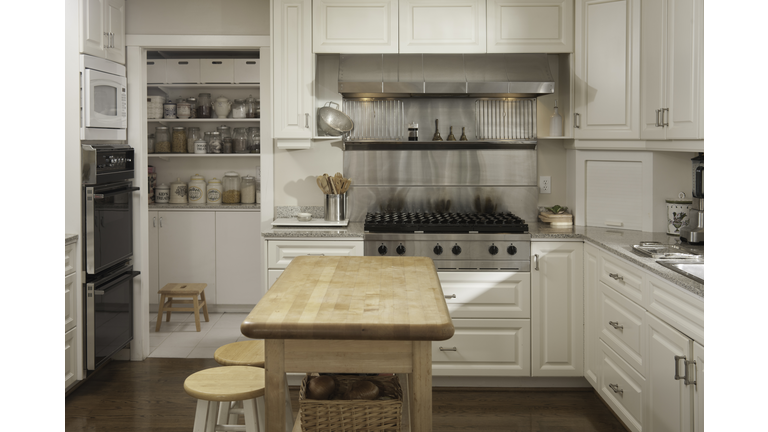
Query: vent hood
x=445 y=75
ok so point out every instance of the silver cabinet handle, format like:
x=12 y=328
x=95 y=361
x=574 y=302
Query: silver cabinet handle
x=154 y=222
x=577 y=120
x=616 y=389
x=686 y=363
x=665 y=123
x=451 y=296
x=448 y=349
x=306 y=120
x=315 y=254
x=536 y=262
x=111 y=40
x=106 y=44
x=615 y=276
x=161 y=222
x=615 y=324
x=658 y=123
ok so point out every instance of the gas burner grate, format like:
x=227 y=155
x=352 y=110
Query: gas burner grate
x=444 y=223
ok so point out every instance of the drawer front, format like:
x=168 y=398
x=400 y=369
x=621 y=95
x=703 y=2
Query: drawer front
x=70 y=259
x=622 y=388
x=272 y=276
x=220 y=71
x=70 y=358
x=484 y=347
x=183 y=71
x=69 y=302
x=487 y=295
x=281 y=253
x=247 y=71
x=622 y=326
x=156 y=71
x=680 y=309
x=622 y=277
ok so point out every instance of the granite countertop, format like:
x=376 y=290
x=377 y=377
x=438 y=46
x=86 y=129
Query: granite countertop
x=215 y=207
x=70 y=238
x=353 y=231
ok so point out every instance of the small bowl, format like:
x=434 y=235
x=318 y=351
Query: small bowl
x=304 y=217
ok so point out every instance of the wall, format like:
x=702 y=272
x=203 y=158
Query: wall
x=199 y=17
x=296 y=170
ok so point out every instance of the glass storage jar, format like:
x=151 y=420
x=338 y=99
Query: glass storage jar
x=179 y=140
x=204 y=108
x=251 y=105
x=231 y=185
x=238 y=109
x=214 y=191
x=226 y=145
x=214 y=146
x=240 y=140
x=197 y=190
x=151 y=183
x=254 y=140
x=248 y=188
x=193 y=134
x=151 y=143
x=192 y=107
x=224 y=131
x=162 y=140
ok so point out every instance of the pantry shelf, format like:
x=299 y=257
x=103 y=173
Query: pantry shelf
x=206 y=120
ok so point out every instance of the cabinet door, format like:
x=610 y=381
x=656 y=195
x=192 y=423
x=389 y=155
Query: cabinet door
x=442 y=26
x=187 y=249
x=70 y=357
x=487 y=295
x=70 y=307
x=522 y=26
x=698 y=388
x=294 y=69
x=668 y=400
x=282 y=252
x=653 y=68
x=355 y=26
x=238 y=258
x=114 y=20
x=93 y=38
x=153 y=273
x=272 y=276
x=607 y=84
x=557 y=314
x=685 y=69
x=591 y=328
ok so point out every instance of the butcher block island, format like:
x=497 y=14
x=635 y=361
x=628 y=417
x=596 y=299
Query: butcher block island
x=352 y=315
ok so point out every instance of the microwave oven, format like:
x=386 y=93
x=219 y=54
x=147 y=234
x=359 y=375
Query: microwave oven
x=103 y=100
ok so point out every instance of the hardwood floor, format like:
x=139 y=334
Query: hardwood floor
x=150 y=396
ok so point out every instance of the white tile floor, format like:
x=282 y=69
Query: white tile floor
x=179 y=338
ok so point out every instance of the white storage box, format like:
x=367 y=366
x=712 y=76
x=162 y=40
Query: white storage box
x=216 y=71
x=247 y=71
x=183 y=71
x=156 y=71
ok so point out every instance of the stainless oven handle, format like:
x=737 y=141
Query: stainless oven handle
x=90 y=264
x=116 y=193
x=115 y=282
x=90 y=336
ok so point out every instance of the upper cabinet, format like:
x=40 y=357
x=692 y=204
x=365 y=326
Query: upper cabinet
x=523 y=26
x=607 y=70
x=102 y=29
x=355 y=26
x=442 y=26
x=672 y=70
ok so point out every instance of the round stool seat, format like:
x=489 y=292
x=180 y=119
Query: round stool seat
x=226 y=383
x=243 y=353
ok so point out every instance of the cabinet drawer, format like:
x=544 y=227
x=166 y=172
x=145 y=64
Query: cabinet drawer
x=183 y=71
x=69 y=302
x=70 y=259
x=281 y=253
x=484 y=347
x=487 y=295
x=70 y=357
x=622 y=326
x=247 y=71
x=680 y=309
x=622 y=277
x=156 y=71
x=622 y=388
x=220 y=71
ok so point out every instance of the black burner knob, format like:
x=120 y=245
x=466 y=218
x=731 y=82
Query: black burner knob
x=382 y=249
x=456 y=249
x=400 y=249
x=438 y=250
x=493 y=249
x=511 y=250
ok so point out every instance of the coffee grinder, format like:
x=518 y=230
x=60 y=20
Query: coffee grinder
x=694 y=232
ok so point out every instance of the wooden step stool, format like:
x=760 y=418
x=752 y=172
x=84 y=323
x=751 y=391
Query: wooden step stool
x=191 y=291
x=224 y=385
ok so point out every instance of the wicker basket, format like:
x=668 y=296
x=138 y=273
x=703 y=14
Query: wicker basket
x=353 y=415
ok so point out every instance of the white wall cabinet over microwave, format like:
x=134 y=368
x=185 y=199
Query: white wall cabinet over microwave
x=103 y=100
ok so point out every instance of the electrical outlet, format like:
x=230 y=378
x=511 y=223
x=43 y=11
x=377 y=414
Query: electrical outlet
x=545 y=184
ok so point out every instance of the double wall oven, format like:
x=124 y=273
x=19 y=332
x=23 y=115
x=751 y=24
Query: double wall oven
x=108 y=171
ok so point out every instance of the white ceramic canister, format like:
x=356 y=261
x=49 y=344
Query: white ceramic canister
x=197 y=191
x=221 y=107
x=214 y=191
x=201 y=147
x=162 y=194
x=183 y=110
x=678 y=213
x=178 y=192
x=169 y=110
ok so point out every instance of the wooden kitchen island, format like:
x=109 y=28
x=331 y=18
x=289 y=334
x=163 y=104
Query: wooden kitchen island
x=352 y=315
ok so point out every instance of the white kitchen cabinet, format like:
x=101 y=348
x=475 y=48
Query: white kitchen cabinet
x=557 y=314
x=70 y=314
x=442 y=26
x=622 y=387
x=673 y=69
x=487 y=294
x=698 y=388
x=591 y=319
x=523 y=26
x=238 y=258
x=70 y=357
x=70 y=305
x=607 y=66
x=280 y=253
x=293 y=73
x=355 y=26
x=102 y=29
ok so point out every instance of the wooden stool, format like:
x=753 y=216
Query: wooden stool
x=182 y=290
x=227 y=384
x=247 y=353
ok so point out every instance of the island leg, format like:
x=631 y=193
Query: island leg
x=275 y=388
x=420 y=387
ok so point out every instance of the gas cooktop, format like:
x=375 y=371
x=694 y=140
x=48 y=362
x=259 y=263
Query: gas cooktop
x=444 y=223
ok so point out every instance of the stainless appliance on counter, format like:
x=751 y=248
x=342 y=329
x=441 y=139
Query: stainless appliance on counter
x=694 y=232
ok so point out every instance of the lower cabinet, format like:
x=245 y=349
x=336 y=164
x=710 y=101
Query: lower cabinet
x=70 y=315
x=70 y=357
x=280 y=253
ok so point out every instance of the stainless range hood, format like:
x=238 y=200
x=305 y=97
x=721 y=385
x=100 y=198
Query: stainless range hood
x=445 y=75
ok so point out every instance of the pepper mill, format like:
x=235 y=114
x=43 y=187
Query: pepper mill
x=463 y=135
x=436 y=136
x=450 y=135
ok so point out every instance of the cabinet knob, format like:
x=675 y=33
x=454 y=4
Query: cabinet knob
x=615 y=276
x=452 y=296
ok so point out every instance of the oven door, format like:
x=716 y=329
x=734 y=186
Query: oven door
x=104 y=101
x=108 y=315
x=108 y=225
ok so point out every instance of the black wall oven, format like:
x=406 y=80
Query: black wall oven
x=107 y=250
